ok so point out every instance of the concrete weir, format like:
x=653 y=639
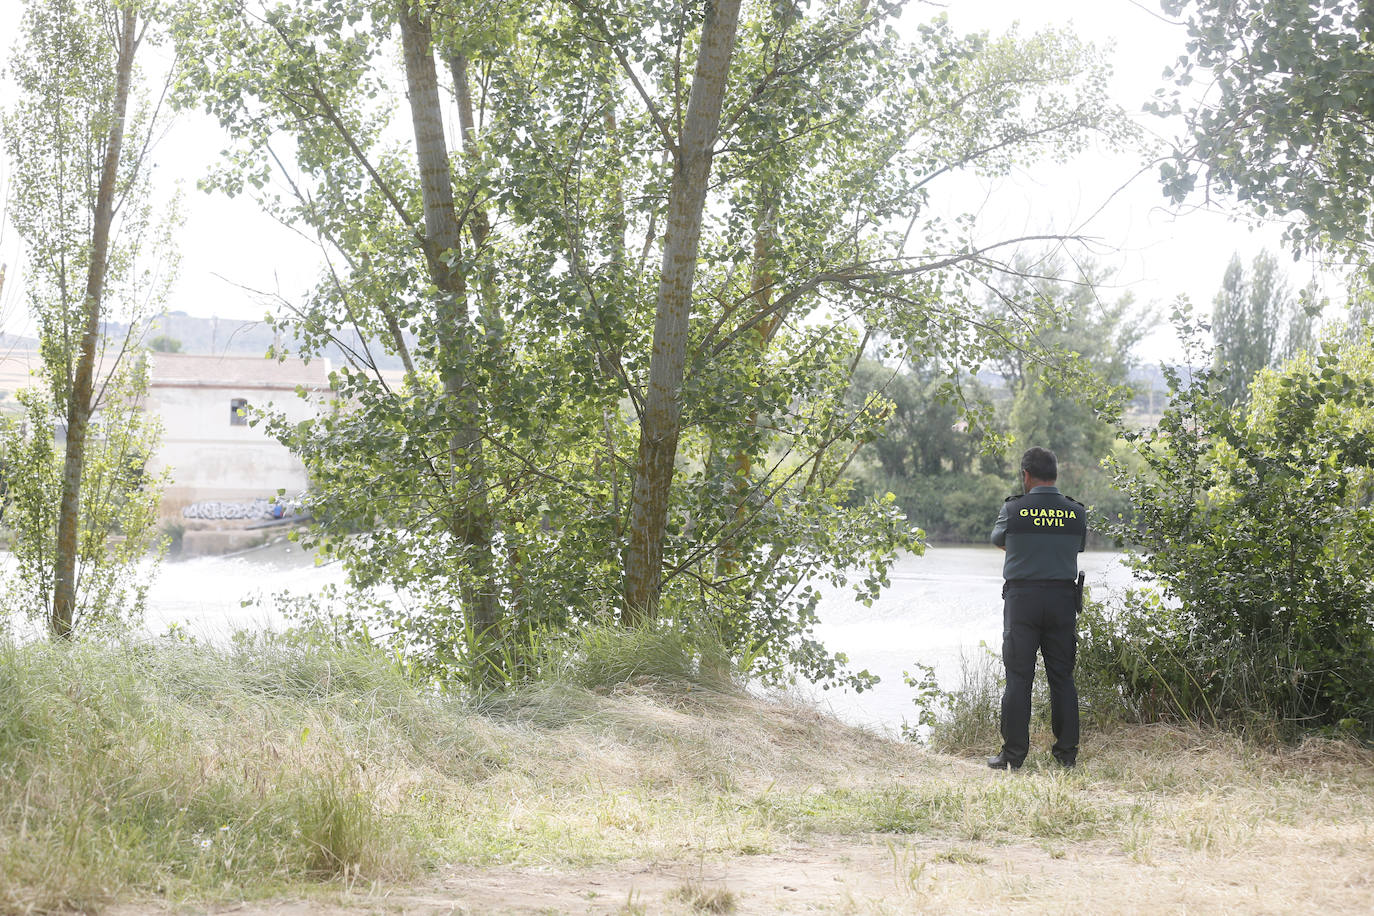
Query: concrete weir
x=210 y=538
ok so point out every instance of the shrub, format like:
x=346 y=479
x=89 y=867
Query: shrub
x=1256 y=531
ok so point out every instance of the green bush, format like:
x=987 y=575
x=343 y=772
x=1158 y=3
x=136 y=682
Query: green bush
x=1256 y=530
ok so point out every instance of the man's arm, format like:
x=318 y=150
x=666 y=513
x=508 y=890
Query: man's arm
x=999 y=530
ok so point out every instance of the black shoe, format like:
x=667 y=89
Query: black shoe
x=1003 y=762
x=1067 y=764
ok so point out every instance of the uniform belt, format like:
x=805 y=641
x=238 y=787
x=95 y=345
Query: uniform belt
x=1042 y=583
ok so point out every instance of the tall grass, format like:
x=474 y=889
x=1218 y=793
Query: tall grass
x=192 y=771
x=177 y=768
x=668 y=653
x=1130 y=671
x=187 y=772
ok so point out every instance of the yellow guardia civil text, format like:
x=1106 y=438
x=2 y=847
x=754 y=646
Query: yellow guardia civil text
x=1046 y=518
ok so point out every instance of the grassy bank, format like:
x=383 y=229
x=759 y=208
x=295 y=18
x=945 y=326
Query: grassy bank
x=179 y=772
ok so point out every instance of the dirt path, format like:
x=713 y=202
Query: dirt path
x=1315 y=871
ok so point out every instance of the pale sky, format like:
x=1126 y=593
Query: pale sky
x=1158 y=252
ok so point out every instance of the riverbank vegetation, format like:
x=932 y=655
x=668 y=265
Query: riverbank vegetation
x=683 y=340
x=171 y=771
x=1254 y=525
x=644 y=412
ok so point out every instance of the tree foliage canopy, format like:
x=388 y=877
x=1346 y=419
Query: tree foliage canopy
x=1286 y=123
x=816 y=235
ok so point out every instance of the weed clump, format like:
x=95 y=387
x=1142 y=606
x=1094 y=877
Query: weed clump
x=966 y=721
x=705 y=898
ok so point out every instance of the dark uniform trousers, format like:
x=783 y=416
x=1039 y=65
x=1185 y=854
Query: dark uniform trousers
x=1039 y=615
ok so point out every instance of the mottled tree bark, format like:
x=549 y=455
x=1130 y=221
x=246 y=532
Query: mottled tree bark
x=470 y=522
x=660 y=424
x=79 y=404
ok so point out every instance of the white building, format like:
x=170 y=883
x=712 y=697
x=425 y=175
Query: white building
x=207 y=443
x=202 y=403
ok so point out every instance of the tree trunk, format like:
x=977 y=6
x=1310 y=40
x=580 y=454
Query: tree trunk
x=467 y=124
x=479 y=224
x=470 y=522
x=83 y=381
x=660 y=425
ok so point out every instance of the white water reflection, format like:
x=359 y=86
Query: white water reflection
x=211 y=597
x=940 y=607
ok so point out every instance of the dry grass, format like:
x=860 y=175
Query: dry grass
x=303 y=765
x=705 y=898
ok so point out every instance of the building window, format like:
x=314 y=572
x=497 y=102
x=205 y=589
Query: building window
x=238 y=411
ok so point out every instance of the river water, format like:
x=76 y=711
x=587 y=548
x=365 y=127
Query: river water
x=942 y=609
x=938 y=609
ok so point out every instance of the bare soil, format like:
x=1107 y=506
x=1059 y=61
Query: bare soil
x=1312 y=871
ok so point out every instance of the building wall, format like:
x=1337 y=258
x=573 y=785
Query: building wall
x=211 y=458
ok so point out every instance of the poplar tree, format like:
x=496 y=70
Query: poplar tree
x=1257 y=323
x=675 y=227
x=78 y=138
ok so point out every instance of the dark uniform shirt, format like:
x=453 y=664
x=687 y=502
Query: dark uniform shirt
x=1043 y=531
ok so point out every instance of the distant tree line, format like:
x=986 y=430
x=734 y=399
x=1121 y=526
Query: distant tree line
x=951 y=444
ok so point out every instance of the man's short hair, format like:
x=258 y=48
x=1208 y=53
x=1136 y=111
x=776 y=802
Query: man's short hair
x=1040 y=463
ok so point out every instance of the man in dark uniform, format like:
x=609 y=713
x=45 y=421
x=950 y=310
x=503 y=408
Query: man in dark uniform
x=1042 y=532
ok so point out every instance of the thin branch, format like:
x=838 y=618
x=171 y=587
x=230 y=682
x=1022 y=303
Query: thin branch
x=669 y=140
x=859 y=272
x=321 y=236
x=333 y=117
